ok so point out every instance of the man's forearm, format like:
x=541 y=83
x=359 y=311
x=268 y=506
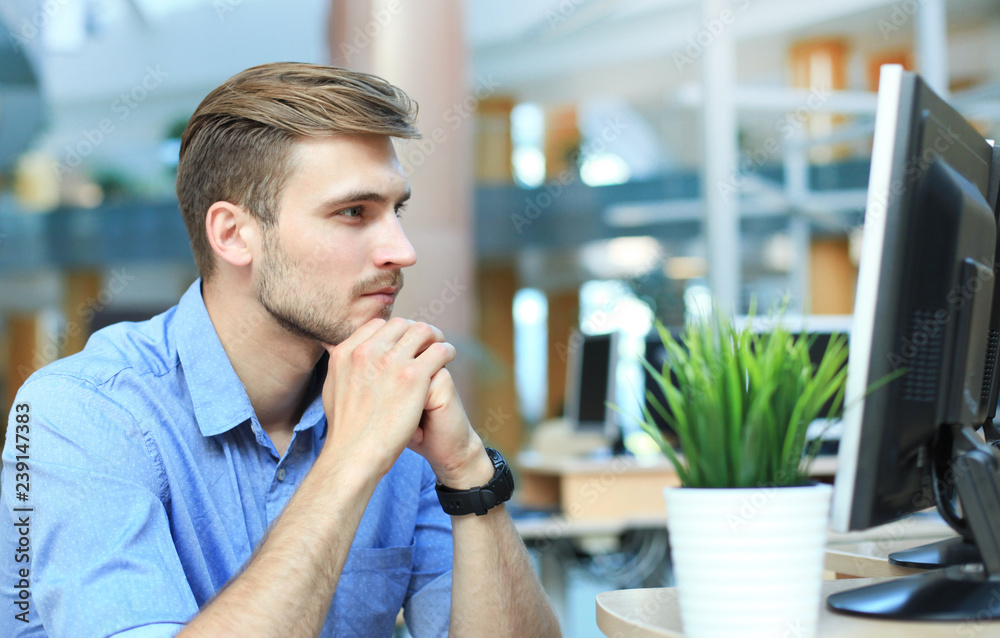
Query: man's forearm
x=494 y=589
x=287 y=585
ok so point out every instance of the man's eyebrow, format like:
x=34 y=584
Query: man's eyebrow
x=363 y=196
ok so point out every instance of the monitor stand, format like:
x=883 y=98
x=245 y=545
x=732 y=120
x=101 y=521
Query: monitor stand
x=951 y=551
x=946 y=553
x=964 y=592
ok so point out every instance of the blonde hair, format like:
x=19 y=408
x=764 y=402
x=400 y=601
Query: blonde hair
x=237 y=145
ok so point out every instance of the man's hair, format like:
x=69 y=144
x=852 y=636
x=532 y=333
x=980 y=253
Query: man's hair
x=237 y=145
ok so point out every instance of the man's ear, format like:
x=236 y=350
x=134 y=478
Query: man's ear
x=232 y=233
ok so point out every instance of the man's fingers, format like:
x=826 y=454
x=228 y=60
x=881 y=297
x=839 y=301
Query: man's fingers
x=405 y=337
x=363 y=332
x=417 y=338
x=393 y=330
x=435 y=356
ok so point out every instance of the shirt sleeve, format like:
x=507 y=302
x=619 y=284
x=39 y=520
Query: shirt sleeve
x=428 y=603
x=101 y=558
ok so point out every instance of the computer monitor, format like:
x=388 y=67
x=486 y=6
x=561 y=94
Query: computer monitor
x=923 y=309
x=655 y=354
x=590 y=383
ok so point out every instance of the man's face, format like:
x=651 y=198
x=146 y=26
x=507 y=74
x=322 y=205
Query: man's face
x=337 y=238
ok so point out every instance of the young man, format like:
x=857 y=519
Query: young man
x=266 y=458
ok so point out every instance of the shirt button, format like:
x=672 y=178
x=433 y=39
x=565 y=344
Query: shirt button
x=281 y=474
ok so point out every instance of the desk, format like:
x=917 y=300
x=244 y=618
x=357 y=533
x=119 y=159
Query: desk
x=597 y=497
x=865 y=554
x=639 y=613
x=614 y=488
x=654 y=613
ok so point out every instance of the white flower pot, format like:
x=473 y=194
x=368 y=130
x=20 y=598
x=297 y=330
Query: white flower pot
x=748 y=562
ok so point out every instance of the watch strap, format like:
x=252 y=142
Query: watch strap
x=480 y=500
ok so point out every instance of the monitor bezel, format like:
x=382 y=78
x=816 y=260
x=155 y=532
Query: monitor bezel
x=574 y=370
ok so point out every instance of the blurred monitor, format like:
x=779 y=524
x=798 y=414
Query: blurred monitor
x=656 y=356
x=590 y=383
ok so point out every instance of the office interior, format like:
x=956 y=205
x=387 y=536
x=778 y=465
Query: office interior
x=587 y=167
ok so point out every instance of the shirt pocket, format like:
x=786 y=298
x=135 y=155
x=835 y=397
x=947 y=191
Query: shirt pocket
x=371 y=591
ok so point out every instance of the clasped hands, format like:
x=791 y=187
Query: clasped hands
x=386 y=389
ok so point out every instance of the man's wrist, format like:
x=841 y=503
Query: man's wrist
x=351 y=476
x=475 y=471
x=481 y=499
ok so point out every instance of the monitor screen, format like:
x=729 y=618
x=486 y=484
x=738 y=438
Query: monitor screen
x=590 y=381
x=656 y=355
x=920 y=370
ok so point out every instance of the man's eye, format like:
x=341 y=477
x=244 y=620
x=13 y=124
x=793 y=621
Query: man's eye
x=399 y=211
x=351 y=212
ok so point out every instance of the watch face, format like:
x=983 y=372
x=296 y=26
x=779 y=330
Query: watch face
x=503 y=480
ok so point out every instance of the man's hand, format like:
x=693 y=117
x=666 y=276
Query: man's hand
x=386 y=388
x=377 y=386
x=448 y=441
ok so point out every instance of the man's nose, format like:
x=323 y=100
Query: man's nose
x=395 y=249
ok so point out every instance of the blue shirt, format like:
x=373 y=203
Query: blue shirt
x=148 y=482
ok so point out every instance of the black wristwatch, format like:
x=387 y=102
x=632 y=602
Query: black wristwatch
x=480 y=500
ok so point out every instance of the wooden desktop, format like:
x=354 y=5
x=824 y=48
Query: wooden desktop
x=856 y=559
x=654 y=613
x=597 y=499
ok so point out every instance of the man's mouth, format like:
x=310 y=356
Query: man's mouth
x=385 y=295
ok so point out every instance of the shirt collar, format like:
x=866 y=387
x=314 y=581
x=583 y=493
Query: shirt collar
x=220 y=400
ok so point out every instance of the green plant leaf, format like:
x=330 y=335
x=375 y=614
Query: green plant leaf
x=740 y=401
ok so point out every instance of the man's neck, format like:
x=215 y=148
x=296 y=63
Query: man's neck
x=274 y=365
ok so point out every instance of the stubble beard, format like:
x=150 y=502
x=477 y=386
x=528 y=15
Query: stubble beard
x=296 y=308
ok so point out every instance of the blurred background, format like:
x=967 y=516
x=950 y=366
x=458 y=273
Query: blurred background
x=587 y=165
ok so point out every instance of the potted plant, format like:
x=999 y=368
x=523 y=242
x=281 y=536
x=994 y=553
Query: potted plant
x=747 y=525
